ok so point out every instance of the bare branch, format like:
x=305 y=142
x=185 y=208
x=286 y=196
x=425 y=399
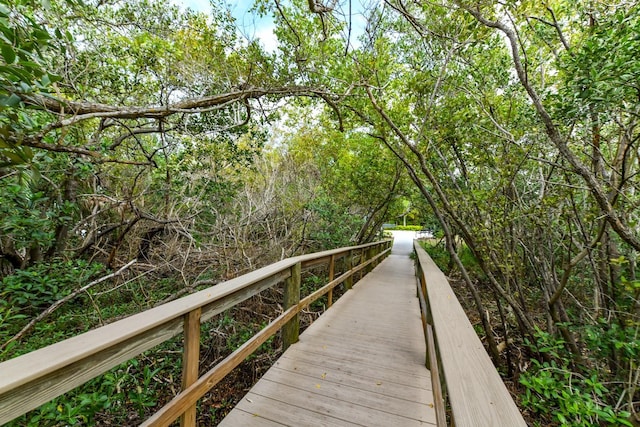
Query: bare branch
x=559 y=31
x=90 y=110
x=133 y=132
x=317 y=6
x=80 y=111
x=59 y=148
x=286 y=21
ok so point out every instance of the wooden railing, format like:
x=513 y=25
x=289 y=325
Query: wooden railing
x=28 y=381
x=470 y=383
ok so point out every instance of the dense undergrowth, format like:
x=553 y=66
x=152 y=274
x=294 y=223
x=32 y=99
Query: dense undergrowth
x=132 y=391
x=541 y=375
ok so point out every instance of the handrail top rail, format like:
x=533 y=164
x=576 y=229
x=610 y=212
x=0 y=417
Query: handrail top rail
x=38 y=363
x=477 y=394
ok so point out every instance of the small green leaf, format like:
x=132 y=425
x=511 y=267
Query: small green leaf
x=45 y=81
x=41 y=35
x=27 y=153
x=8 y=54
x=14 y=158
x=10 y=101
x=54 y=77
x=18 y=73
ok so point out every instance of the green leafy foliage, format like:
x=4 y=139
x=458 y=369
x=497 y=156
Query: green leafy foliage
x=132 y=386
x=618 y=344
x=555 y=392
x=238 y=333
x=23 y=217
x=603 y=73
x=23 y=42
x=406 y=227
x=37 y=287
x=438 y=254
x=570 y=400
x=333 y=225
x=311 y=284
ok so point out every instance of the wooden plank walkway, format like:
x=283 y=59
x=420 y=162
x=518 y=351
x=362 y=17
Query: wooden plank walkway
x=361 y=363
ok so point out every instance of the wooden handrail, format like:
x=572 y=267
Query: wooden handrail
x=28 y=381
x=476 y=393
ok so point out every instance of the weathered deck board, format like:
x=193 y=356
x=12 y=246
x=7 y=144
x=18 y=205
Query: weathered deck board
x=361 y=363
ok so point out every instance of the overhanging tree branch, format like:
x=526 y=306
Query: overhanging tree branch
x=599 y=193
x=80 y=111
x=74 y=112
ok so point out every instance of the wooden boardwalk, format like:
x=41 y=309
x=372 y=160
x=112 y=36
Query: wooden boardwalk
x=361 y=363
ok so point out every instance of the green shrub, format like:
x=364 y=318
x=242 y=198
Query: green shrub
x=125 y=392
x=470 y=261
x=35 y=288
x=331 y=226
x=438 y=254
x=406 y=228
x=555 y=392
x=612 y=341
x=28 y=292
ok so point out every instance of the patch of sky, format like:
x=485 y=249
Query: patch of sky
x=250 y=25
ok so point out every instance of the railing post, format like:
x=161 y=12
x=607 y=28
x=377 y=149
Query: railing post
x=436 y=384
x=368 y=257
x=372 y=253
x=332 y=273
x=423 y=285
x=348 y=284
x=291 y=329
x=190 y=361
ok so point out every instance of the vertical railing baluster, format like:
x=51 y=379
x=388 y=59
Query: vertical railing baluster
x=348 y=284
x=374 y=252
x=291 y=330
x=332 y=272
x=190 y=361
